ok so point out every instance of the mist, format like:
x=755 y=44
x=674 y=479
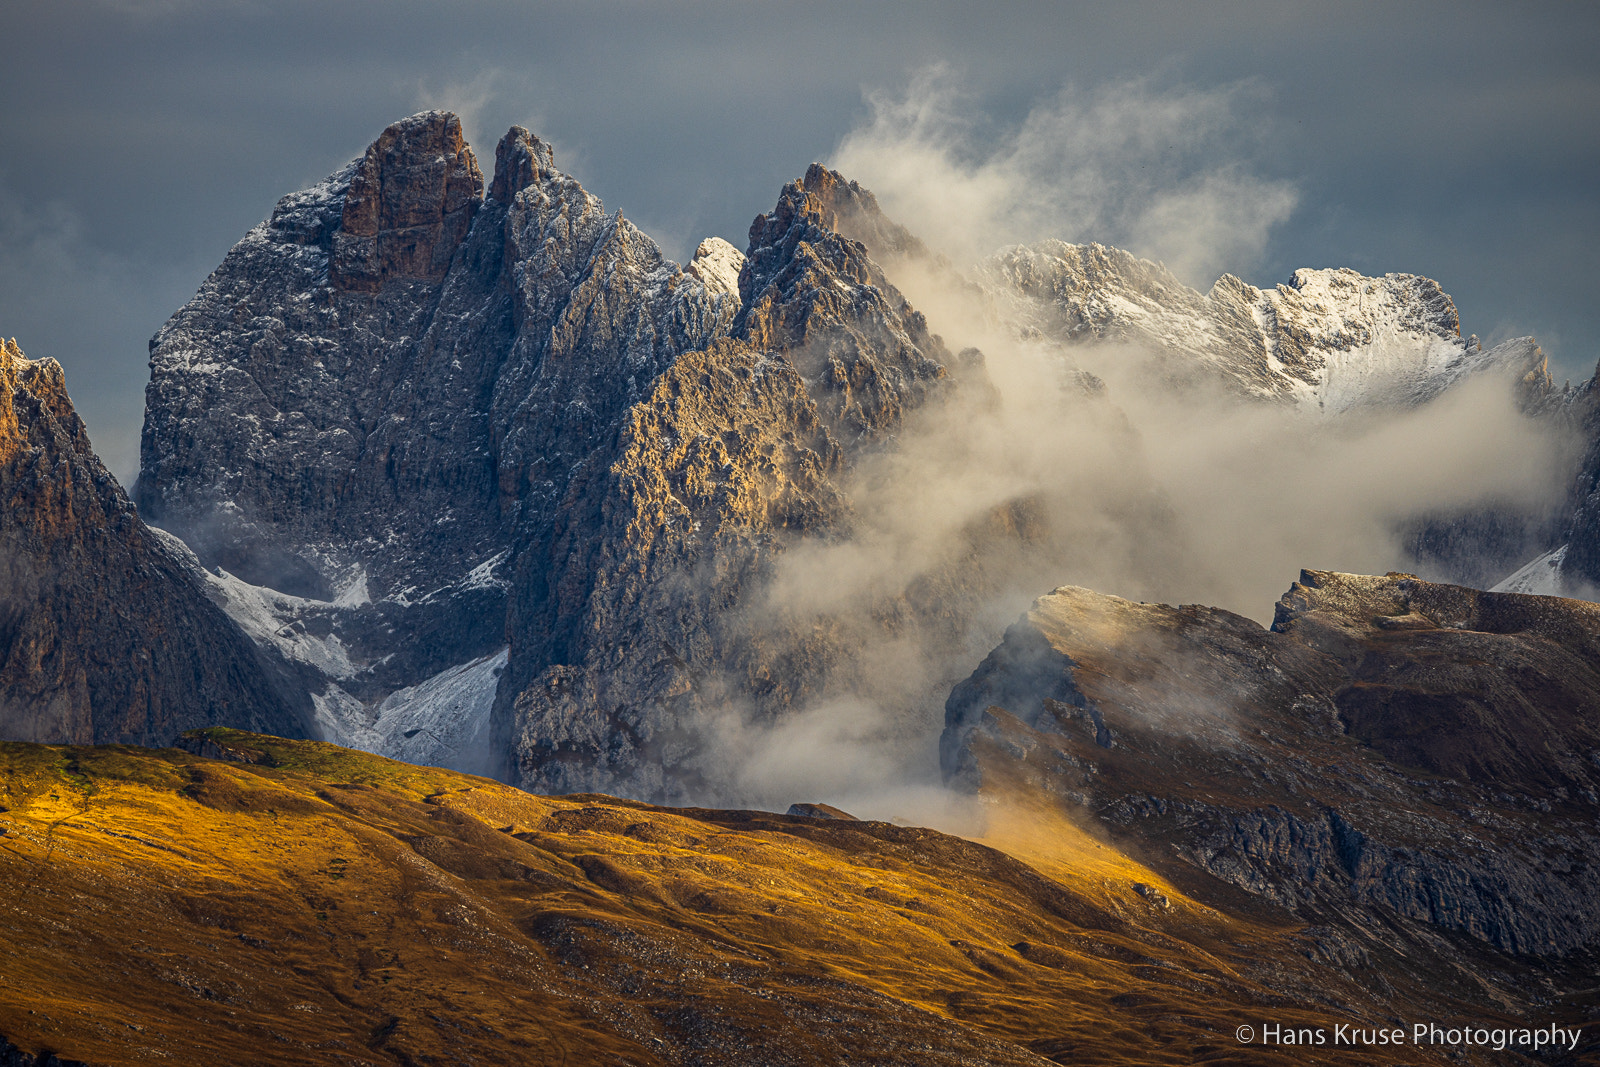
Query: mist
x=1075 y=465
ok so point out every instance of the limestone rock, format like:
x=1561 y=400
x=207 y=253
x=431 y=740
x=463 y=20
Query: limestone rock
x=378 y=401
x=410 y=202
x=627 y=634
x=1391 y=747
x=106 y=634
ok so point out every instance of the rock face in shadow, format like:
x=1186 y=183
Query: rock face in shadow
x=1390 y=752
x=380 y=399
x=626 y=628
x=106 y=633
x=1579 y=532
x=1560 y=550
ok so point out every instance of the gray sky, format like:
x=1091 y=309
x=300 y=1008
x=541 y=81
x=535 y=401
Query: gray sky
x=140 y=138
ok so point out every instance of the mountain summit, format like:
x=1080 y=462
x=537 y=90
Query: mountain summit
x=1330 y=341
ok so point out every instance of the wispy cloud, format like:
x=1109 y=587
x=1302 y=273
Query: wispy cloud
x=470 y=99
x=1164 y=172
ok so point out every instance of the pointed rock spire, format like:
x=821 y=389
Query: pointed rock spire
x=410 y=204
x=106 y=632
x=519 y=160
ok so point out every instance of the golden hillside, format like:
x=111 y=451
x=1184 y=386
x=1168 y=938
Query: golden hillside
x=323 y=906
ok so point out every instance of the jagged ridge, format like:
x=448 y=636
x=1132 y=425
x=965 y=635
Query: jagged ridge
x=106 y=634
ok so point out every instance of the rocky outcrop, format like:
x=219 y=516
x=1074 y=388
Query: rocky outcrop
x=409 y=206
x=1390 y=747
x=106 y=634
x=405 y=424
x=817 y=296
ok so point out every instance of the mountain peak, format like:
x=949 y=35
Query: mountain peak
x=105 y=634
x=33 y=401
x=827 y=199
x=410 y=204
x=716 y=264
x=519 y=160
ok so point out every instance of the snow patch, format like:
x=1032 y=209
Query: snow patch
x=354 y=592
x=440 y=722
x=717 y=264
x=482 y=576
x=277 y=619
x=341 y=719
x=1542 y=577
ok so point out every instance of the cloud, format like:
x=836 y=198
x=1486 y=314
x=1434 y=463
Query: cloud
x=57 y=283
x=847 y=752
x=469 y=99
x=1146 y=488
x=1163 y=172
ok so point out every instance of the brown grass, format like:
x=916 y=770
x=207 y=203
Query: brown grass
x=325 y=906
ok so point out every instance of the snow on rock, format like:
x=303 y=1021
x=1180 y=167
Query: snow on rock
x=353 y=593
x=279 y=620
x=716 y=264
x=389 y=384
x=483 y=575
x=1329 y=341
x=444 y=721
x=441 y=722
x=341 y=719
x=1542 y=576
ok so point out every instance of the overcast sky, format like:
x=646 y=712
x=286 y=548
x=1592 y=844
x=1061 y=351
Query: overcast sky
x=139 y=139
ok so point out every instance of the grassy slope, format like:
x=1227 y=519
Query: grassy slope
x=327 y=906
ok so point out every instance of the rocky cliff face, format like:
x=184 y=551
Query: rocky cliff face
x=628 y=631
x=389 y=385
x=1573 y=565
x=406 y=424
x=1391 y=752
x=352 y=400
x=106 y=634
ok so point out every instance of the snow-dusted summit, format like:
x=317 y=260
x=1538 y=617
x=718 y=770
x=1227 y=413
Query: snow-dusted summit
x=391 y=382
x=1330 y=341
